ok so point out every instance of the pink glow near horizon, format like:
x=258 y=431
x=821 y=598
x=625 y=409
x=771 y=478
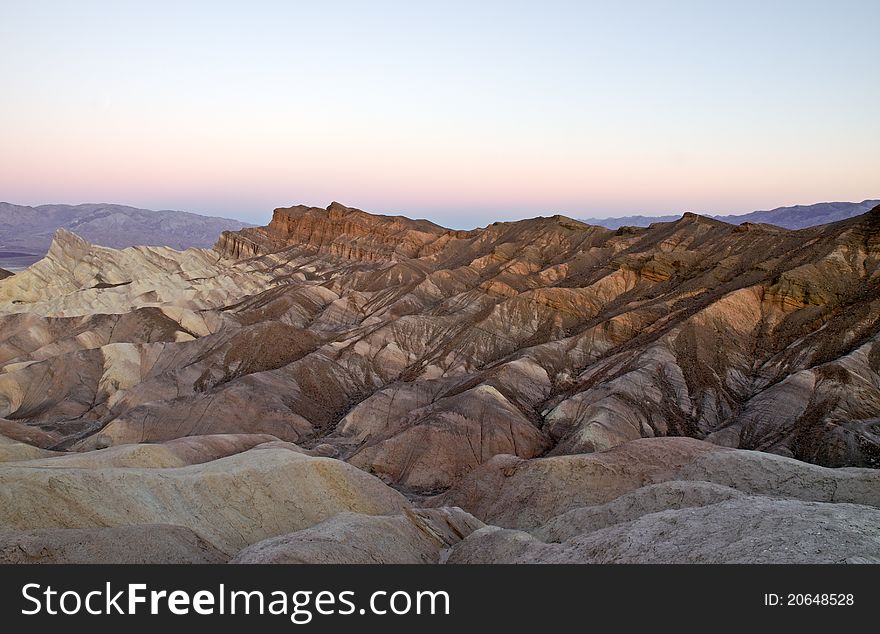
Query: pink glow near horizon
x=580 y=110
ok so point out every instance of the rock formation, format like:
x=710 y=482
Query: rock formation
x=524 y=372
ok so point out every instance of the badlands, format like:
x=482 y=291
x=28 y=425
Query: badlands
x=343 y=387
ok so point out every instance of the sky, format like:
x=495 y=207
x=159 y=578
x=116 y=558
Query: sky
x=461 y=112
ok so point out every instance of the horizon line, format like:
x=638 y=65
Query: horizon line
x=549 y=213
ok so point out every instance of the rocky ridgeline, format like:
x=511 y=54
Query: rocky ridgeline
x=337 y=231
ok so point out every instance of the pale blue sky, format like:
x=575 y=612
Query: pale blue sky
x=462 y=112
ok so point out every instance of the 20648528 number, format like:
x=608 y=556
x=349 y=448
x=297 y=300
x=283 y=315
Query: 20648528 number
x=839 y=599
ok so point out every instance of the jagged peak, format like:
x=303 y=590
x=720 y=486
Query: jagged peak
x=690 y=217
x=66 y=241
x=337 y=206
x=745 y=227
x=540 y=222
x=569 y=222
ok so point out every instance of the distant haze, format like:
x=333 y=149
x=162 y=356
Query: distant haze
x=460 y=112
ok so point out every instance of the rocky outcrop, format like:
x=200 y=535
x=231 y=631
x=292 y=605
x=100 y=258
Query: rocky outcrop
x=236 y=245
x=338 y=231
x=78 y=278
x=4 y=274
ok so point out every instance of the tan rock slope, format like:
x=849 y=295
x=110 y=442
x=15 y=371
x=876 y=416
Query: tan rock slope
x=737 y=531
x=139 y=544
x=652 y=500
x=230 y=502
x=516 y=493
x=672 y=500
x=416 y=537
x=486 y=369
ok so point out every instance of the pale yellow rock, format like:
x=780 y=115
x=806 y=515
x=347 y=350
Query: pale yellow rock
x=14 y=451
x=231 y=502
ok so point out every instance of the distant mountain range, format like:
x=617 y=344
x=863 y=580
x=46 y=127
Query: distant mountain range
x=26 y=232
x=797 y=217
